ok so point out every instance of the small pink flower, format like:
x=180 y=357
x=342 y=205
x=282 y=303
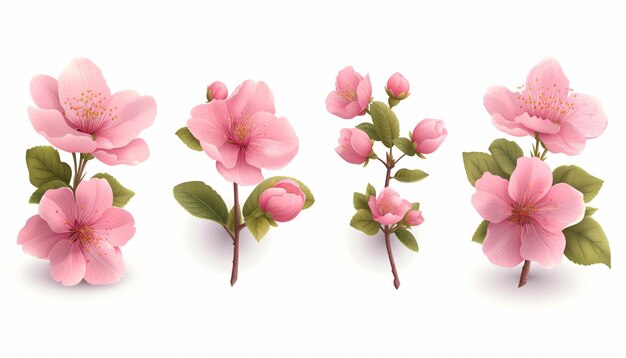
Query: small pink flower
x=217 y=90
x=388 y=208
x=428 y=135
x=414 y=217
x=243 y=135
x=397 y=86
x=352 y=95
x=80 y=235
x=527 y=214
x=283 y=201
x=78 y=114
x=355 y=145
x=564 y=120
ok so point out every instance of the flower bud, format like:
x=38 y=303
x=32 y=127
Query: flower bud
x=355 y=145
x=216 y=90
x=397 y=88
x=428 y=135
x=414 y=217
x=283 y=201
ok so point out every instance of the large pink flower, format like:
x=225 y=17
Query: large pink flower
x=78 y=114
x=352 y=94
x=526 y=215
x=243 y=135
x=389 y=208
x=80 y=235
x=564 y=120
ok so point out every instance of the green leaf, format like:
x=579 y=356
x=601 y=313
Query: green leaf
x=405 y=145
x=186 y=137
x=505 y=153
x=407 y=239
x=409 y=176
x=360 y=201
x=45 y=165
x=121 y=195
x=579 y=179
x=386 y=123
x=590 y=211
x=586 y=243
x=252 y=203
x=202 y=201
x=258 y=224
x=481 y=232
x=477 y=163
x=370 y=191
x=369 y=129
x=38 y=194
x=362 y=220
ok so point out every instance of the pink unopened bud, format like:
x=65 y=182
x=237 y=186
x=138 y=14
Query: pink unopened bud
x=397 y=87
x=428 y=135
x=414 y=217
x=355 y=145
x=283 y=201
x=216 y=90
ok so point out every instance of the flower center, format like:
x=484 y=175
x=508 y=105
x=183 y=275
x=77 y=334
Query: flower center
x=240 y=129
x=348 y=94
x=84 y=234
x=89 y=112
x=522 y=214
x=550 y=103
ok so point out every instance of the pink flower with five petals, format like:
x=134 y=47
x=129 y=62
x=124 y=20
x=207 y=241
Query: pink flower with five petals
x=389 y=208
x=351 y=96
x=78 y=114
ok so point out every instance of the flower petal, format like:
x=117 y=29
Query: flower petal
x=388 y=219
x=342 y=108
x=491 y=199
x=93 y=197
x=80 y=76
x=241 y=173
x=45 y=92
x=37 y=238
x=562 y=207
x=210 y=123
x=58 y=208
x=67 y=262
x=104 y=264
x=499 y=100
x=587 y=115
x=530 y=182
x=273 y=142
x=509 y=126
x=116 y=226
x=568 y=140
x=364 y=92
x=51 y=124
x=360 y=143
x=249 y=98
x=133 y=153
x=347 y=78
x=502 y=244
x=131 y=114
x=286 y=207
x=371 y=202
x=547 y=78
x=542 y=246
x=270 y=193
x=536 y=124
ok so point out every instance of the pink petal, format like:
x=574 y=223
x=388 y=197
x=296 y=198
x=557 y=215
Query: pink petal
x=548 y=78
x=116 y=226
x=348 y=78
x=364 y=92
x=568 y=140
x=273 y=142
x=509 y=126
x=499 y=100
x=403 y=208
x=361 y=144
x=491 y=199
x=349 y=155
x=51 y=124
x=268 y=194
x=429 y=145
x=210 y=123
x=537 y=124
x=502 y=244
x=37 y=238
x=249 y=98
x=133 y=153
x=562 y=207
x=387 y=194
x=104 y=264
x=131 y=114
x=67 y=262
x=542 y=246
x=228 y=154
x=587 y=115
x=93 y=197
x=80 y=76
x=530 y=182
x=241 y=173
x=45 y=92
x=371 y=202
x=58 y=209
x=286 y=207
x=388 y=219
x=342 y=108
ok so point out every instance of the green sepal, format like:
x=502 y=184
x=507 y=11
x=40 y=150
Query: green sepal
x=590 y=211
x=190 y=141
x=202 y=201
x=121 y=195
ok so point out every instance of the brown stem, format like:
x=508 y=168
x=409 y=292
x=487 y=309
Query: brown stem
x=233 y=276
x=388 y=177
x=78 y=173
x=396 y=279
x=524 y=276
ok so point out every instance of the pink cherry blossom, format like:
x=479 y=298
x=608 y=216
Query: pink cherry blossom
x=355 y=145
x=283 y=201
x=428 y=135
x=388 y=208
x=81 y=235
x=526 y=214
x=397 y=86
x=414 y=217
x=216 y=90
x=243 y=135
x=352 y=94
x=78 y=114
x=547 y=106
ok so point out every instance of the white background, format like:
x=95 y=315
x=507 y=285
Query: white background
x=314 y=286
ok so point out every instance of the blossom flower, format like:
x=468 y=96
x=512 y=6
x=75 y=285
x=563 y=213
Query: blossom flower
x=78 y=114
x=81 y=235
x=428 y=135
x=243 y=135
x=355 y=145
x=352 y=94
x=283 y=201
x=526 y=214
x=388 y=208
x=547 y=106
x=397 y=86
x=414 y=217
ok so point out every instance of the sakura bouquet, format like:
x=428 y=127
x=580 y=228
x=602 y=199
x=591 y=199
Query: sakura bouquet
x=243 y=135
x=530 y=212
x=387 y=212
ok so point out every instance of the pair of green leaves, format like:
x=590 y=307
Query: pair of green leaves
x=500 y=162
x=46 y=171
